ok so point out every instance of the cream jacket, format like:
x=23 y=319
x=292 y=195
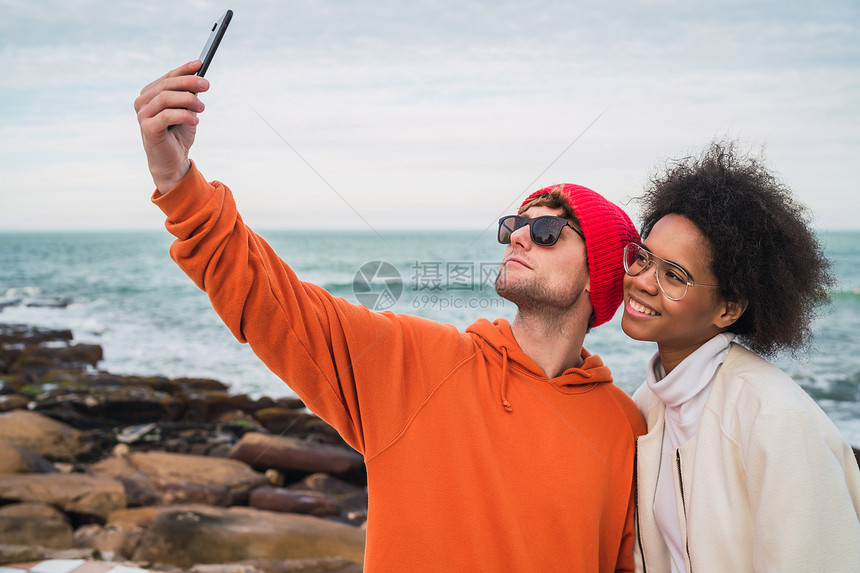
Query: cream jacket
x=767 y=484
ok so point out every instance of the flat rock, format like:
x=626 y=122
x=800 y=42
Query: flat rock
x=50 y=302
x=162 y=478
x=296 y=421
x=85 y=407
x=43 y=357
x=39 y=523
x=296 y=455
x=12 y=553
x=43 y=435
x=121 y=535
x=133 y=517
x=328 y=484
x=25 y=334
x=90 y=497
x=19 y=459
x=209 y=405
x=27 y=557
x=9 y=301
x=196 y=534
x=321 y=565
x=295 y=501
x=10 y=402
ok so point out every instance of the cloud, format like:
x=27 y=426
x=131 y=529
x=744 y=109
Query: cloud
x=416 y=113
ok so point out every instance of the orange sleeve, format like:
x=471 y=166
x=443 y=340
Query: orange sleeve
x=348 y=364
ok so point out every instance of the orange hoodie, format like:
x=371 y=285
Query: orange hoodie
x=475 y=460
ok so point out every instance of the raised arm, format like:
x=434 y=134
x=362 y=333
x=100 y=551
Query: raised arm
x=167 y=113
x=365 y=373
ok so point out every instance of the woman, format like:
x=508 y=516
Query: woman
x=740 y=470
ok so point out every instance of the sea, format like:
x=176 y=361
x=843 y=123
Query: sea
x=122 y=291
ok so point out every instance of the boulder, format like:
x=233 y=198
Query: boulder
x=17 y=553
x=92 y=498
x=295 y=455
x=9 y=301
x=47 y=356
x=293 y=421
x=194 y=438
x=120 y=536
x=102 y=380
x=50 y=302
x=26 y=558
x=196 y=534
x=31 y=523
x=85 y=407
x=49 y=438
x=295 y=501
x=351 y=498
x=322 y=565
x=209 y=405
x=24 y=334
x=162 y=478
x=110 y=542
x=18 y=459
x=329 y=484
x=10 y=402
x=9 y=355
x=289 y=402
x=133 y=517
x=200 y=384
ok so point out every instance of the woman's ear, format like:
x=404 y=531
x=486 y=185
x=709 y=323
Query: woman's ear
x=732 y=311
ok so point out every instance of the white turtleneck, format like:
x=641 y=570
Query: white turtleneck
x=684 y=391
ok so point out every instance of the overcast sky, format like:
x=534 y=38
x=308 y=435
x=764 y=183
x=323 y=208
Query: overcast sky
x=426 y=114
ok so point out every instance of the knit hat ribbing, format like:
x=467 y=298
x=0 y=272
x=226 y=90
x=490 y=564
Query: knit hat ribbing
x=607 y=229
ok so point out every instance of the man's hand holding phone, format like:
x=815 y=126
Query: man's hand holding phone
x=167 y=113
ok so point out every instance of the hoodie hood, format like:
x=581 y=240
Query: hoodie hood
x=498 y=335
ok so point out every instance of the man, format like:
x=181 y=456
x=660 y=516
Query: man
x=501 y=448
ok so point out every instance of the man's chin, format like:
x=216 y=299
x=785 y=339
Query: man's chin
x=517 y=294
x=506 y=283
x=503 y=289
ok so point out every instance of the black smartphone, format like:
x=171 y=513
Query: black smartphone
x=212 y=43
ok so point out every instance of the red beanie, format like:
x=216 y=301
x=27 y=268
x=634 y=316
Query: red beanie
x=607 y=229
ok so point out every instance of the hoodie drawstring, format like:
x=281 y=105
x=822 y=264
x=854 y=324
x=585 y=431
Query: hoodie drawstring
x=505 y=403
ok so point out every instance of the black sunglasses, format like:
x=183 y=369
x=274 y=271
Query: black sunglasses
x=544 y=230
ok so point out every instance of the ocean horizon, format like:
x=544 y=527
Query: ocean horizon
x=119 y=289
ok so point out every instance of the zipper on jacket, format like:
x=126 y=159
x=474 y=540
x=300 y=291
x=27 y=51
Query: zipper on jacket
x=636 y=504
x=684 y=508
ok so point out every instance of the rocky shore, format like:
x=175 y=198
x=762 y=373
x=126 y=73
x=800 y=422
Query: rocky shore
x=103 y=473
x=165 y=474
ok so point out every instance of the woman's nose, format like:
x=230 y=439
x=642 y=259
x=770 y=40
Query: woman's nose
x=646 y=281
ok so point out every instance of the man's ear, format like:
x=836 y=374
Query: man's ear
x=731 y=312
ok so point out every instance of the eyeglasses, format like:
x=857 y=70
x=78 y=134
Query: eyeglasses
x=672 y=279
x=545 y=231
